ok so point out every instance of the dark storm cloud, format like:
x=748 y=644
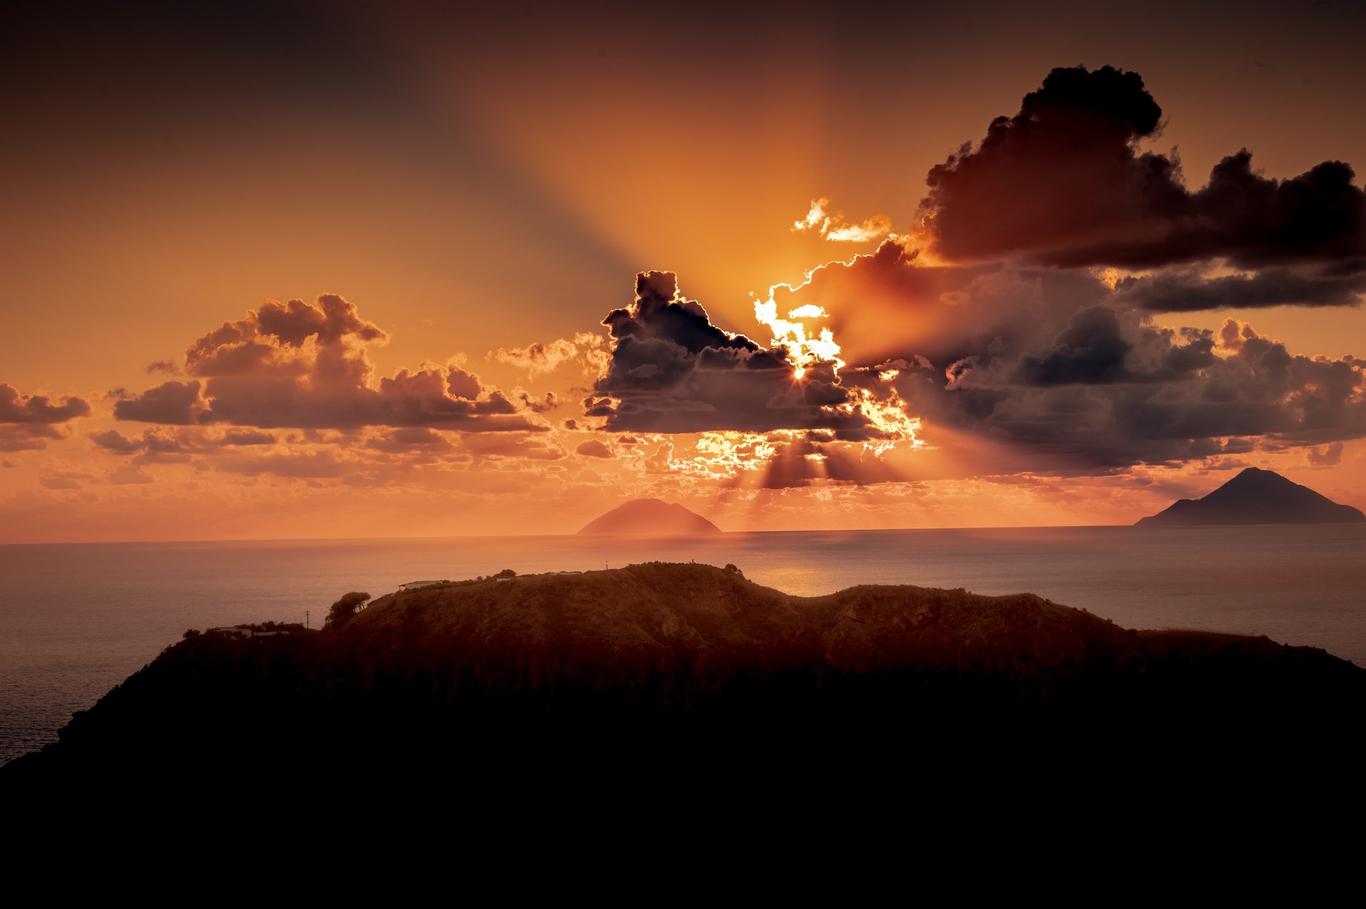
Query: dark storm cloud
x=1091 y=350
x=28 y=422
x=1069 y=374
x=1027 y=348
x=304 y=365
x=1063 y=182
x=673 y=370
x=1110 y=391
x=1182 y=290
x=1097 y=348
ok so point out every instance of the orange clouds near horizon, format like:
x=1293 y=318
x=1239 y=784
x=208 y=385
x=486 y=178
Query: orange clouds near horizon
x=780 y=281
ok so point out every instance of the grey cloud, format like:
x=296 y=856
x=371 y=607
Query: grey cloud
x=673 y=370
x=1063 y=182
x=1187 y=291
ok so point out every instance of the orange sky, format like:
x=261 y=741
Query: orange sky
x=471 y=183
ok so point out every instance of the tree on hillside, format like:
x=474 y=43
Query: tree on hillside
x=345 y=609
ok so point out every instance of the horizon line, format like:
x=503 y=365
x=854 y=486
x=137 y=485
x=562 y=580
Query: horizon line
x=530 y=536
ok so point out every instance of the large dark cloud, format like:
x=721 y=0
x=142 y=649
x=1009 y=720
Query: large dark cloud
x=1045 y=368
x=1184 y=290
x=1068 y=374
x=1064 y=182
x=304 y=365
x=1101 y=346
x=672 y=370
x=1110 y=391
x=1018 y=344
x=29 y=421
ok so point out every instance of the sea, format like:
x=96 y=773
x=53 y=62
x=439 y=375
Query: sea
x=77 y=619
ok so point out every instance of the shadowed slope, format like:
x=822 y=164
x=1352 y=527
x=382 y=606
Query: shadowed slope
x=687 y=660
x=1255 y=496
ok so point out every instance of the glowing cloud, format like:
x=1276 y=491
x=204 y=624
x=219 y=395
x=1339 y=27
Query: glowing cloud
x=820 y=221
x=305 y=365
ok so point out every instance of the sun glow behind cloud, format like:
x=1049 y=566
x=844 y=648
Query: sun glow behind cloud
x=804 y=349
x=553 y=230
x=820 y=221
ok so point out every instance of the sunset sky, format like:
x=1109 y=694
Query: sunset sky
x=293 y=270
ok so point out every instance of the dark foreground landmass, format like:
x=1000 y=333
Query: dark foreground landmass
x=688 y=672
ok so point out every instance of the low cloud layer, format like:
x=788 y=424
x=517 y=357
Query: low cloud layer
x=176 y=445
x=304 y=365
x=1109 y=390
x=1188 y=290
x=29 y=422
x=585 y=349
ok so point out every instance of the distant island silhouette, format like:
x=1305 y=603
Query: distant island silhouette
x=659 y=672
x=650 y=518
x=1255 y=496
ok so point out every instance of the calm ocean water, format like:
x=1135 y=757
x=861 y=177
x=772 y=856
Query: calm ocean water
x=77 y=619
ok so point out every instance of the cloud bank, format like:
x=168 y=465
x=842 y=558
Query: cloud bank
x=304 y=365
x=28 y=422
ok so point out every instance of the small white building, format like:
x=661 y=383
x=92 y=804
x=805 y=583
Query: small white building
x=232 y=631
x=418 y=585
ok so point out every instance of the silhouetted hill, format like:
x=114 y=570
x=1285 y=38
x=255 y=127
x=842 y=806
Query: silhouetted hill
x=651 y=518
x=1255 y=497
x=661 y=669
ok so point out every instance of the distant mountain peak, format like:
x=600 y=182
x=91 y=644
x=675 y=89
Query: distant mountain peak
x=650 y=518
x=1256 y=496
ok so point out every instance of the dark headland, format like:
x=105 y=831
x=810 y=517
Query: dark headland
x=650 y=518
x=689 y=672
x=1256 y=496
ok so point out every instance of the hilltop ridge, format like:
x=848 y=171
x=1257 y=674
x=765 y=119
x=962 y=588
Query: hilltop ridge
x=682 y=659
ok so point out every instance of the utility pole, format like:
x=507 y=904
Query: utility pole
x=307 y=619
